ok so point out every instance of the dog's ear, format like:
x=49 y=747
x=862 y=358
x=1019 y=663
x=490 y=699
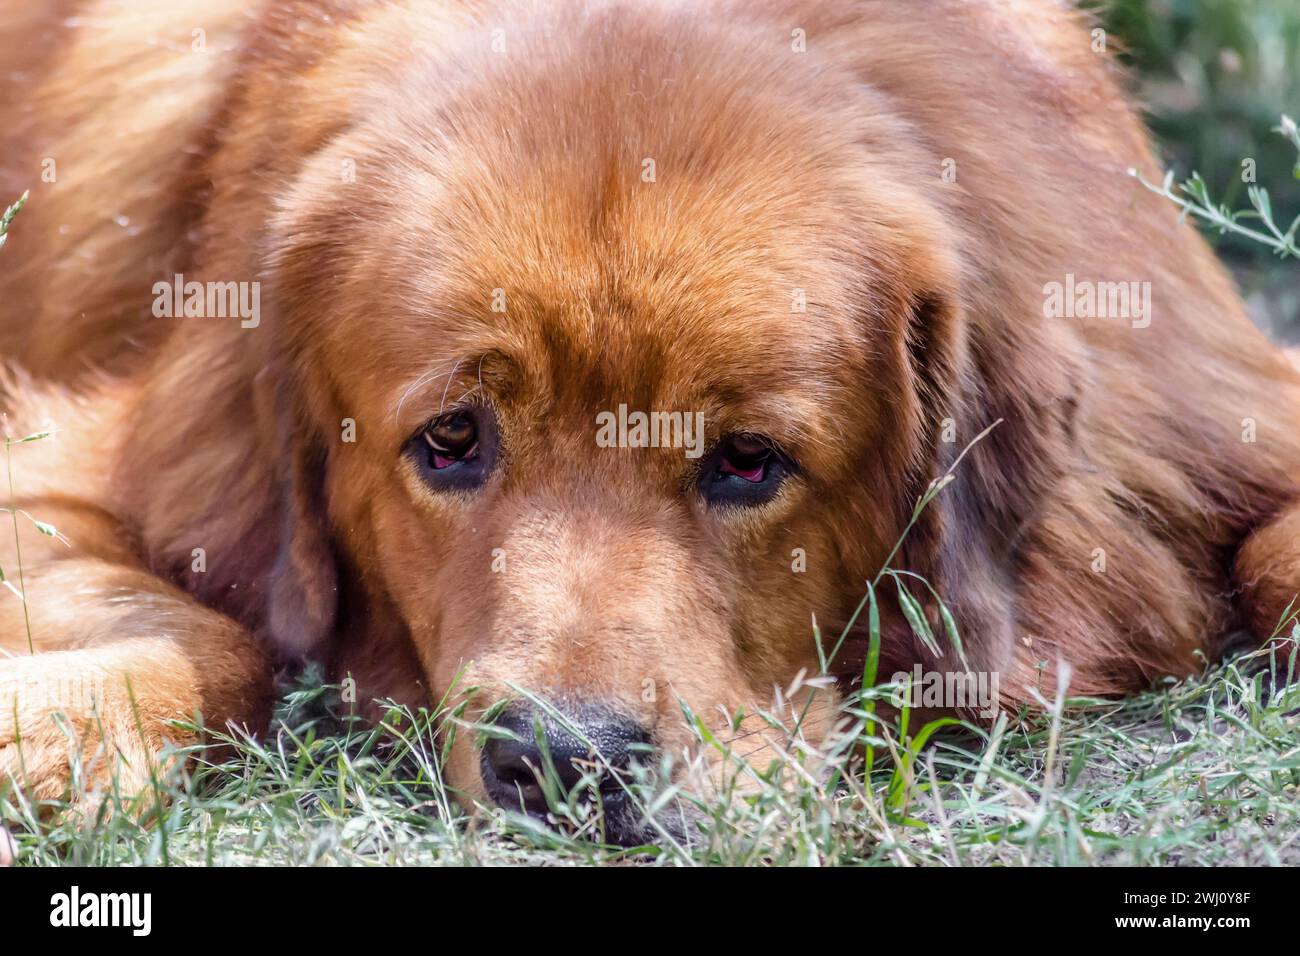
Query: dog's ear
x=997 y=417
x=303 y=238
x=302 y=588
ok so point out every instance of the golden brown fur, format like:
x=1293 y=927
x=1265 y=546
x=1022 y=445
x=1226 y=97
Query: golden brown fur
x=521 y=170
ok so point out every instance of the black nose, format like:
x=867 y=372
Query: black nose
x=590 y=743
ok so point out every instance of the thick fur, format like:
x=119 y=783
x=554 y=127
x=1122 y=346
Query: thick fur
x=383 y=167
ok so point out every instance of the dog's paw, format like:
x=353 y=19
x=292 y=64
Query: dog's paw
x=70 y=733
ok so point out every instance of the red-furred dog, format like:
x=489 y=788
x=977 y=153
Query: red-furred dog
x=595 y=348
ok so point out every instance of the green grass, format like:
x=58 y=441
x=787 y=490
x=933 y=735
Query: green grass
x=1201 y=772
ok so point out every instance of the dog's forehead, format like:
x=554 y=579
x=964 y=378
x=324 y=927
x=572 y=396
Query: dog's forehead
x=662 y=304
x=719 y=277
x=698 y=241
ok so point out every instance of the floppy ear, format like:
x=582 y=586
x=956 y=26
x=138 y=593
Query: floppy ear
x=997 y=415
x=302 y=589
x=303 y=238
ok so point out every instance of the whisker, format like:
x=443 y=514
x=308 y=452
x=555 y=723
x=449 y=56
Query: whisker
x=443 y=404
x=750 y=753
x=419 y=382
x=809 y=727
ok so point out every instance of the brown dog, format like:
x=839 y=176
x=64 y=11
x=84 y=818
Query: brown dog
x=335 y=309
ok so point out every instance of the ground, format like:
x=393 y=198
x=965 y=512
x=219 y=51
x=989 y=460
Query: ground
x=1202 y=772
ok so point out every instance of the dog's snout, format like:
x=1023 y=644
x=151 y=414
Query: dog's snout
x=571 y=746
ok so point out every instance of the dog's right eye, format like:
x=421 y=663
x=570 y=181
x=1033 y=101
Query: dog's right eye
x=743 y=470
x=452 y=451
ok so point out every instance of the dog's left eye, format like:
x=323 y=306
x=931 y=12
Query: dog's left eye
x=743 y=470
x=451 y=451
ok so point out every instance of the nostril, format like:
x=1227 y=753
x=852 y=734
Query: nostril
x=517 y=774
x=510 y=768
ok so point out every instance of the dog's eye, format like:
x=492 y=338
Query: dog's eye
x=743 y=470
x=451 y=439
x=451 y=450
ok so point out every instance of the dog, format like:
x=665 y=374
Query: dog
x=610 y=351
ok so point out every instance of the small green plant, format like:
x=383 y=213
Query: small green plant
x=43 y=527
x=1193 y=197
x=1213 y=77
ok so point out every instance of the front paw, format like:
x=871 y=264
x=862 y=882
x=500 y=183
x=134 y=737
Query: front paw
x=72 y=731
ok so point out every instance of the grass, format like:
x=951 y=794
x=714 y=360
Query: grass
x=1200 y=772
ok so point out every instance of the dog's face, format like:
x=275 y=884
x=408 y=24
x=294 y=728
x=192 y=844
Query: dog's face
x=508 y=298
